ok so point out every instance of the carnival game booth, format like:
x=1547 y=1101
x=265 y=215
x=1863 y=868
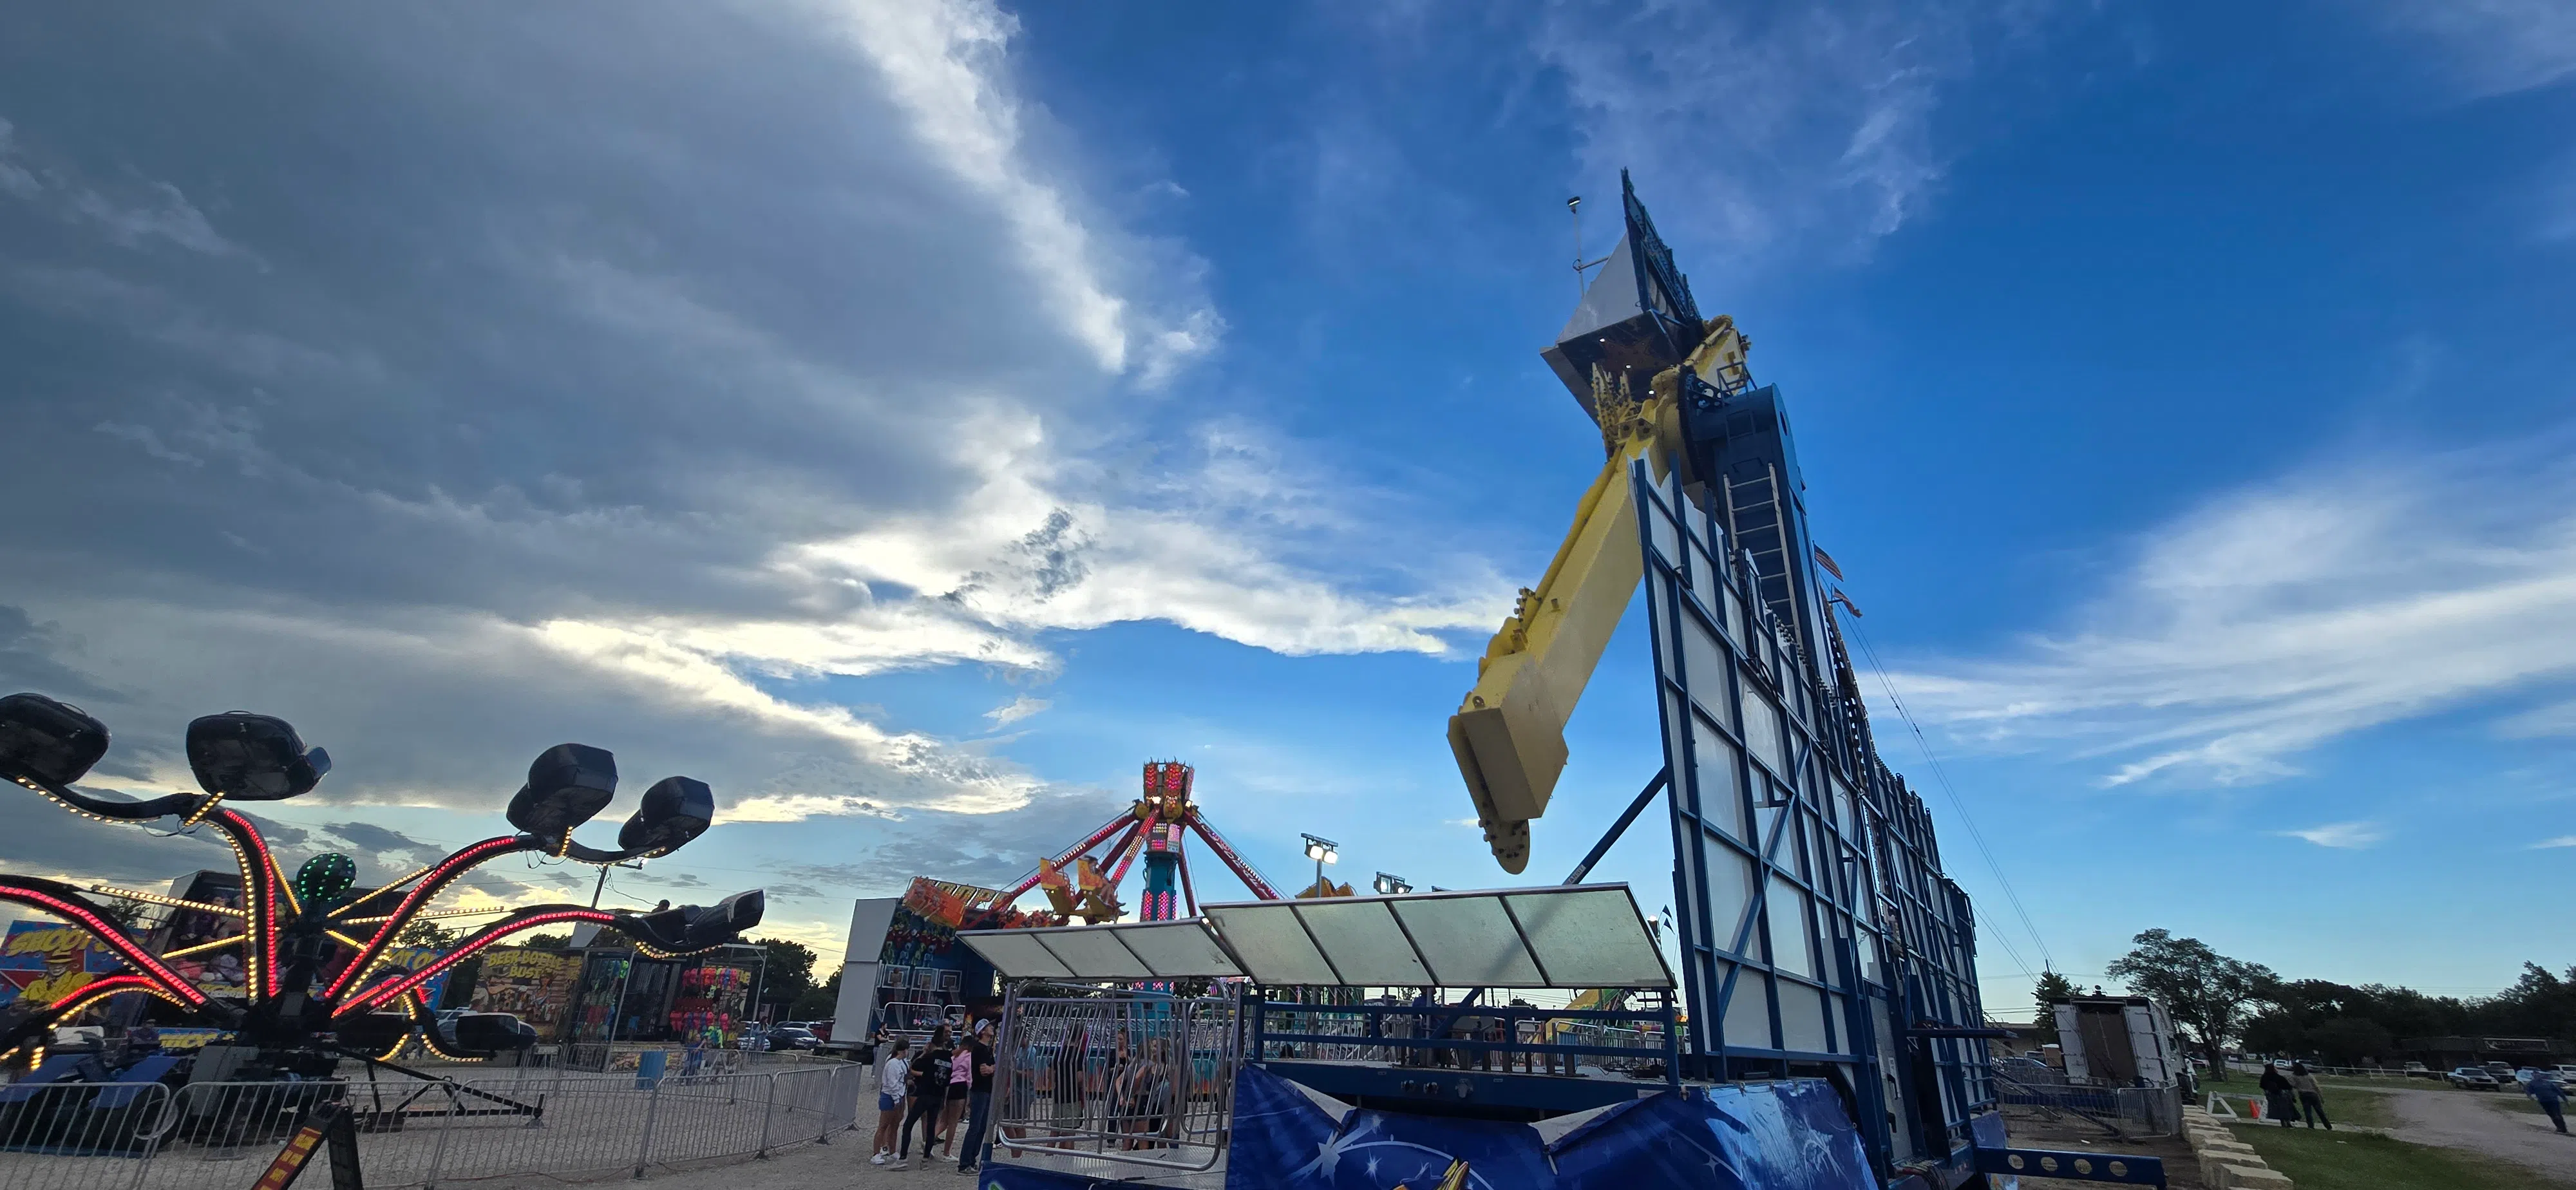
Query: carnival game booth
x=904 y=970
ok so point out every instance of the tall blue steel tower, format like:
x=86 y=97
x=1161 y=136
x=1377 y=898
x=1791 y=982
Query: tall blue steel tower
x=1815 y=930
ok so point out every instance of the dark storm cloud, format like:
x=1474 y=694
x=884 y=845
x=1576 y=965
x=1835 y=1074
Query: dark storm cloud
x=30 y=660
x=349 y=349
x=480 y=312
x=376 y=840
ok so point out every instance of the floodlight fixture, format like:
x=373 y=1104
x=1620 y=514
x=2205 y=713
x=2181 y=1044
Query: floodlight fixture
x=675 y=811
x=567 y=784
x=50 y=742
x=253 y=758
x=1389 y=885
x=1322 y=851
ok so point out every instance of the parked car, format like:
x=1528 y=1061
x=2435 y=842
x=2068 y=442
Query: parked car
x=792 y=1037
x=2419 y=1070
x=2472 y=1078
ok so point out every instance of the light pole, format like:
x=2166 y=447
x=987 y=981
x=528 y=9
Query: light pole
x=602 y=883
x=1388 y=885
x=1322 y=851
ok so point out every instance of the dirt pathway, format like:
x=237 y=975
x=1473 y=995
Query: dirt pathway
x=2463 y=1120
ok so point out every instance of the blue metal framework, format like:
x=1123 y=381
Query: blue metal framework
x=1817 y=933
x=1417 y=1037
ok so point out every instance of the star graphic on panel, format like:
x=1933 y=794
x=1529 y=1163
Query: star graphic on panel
x=1328 y=1155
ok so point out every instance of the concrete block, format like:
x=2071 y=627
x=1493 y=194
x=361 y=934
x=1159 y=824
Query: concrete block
x=2254 y=1177
x=2217 y=1171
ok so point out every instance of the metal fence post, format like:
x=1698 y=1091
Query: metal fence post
x=768 y=1108
x=644 y=1142
x=438 y=1154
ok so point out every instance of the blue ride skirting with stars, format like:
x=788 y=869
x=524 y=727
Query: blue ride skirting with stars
x=1791 y=1135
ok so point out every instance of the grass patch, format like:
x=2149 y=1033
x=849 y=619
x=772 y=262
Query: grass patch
x=2369 y=1109
x=2321 y=1160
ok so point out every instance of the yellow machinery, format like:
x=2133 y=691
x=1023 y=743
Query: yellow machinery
x=1509 y=734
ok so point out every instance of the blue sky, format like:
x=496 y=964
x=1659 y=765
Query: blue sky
x=912 y=418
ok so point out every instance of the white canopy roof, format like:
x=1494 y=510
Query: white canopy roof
x=1130 y=950
x=1575 y=936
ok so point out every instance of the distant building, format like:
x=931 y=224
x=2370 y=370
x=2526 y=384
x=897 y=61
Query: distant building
x=2028 y=1037
x=2443 y=1053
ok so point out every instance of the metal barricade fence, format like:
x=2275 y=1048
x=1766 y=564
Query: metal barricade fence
x=423 y=1134
x=78 y=1137
x=2134 y=1111
x=1136 y=1078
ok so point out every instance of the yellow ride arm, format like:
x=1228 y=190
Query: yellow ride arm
x=1509 y=734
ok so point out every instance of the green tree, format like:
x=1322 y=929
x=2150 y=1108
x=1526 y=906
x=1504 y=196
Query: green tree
x=818 y=1003
x=426 y=933
x=2045 y=994
x=787 y=969
x=2346 y=1040
x=125 y=911
x=2206 y=993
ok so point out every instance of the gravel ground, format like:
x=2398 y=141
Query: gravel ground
x=2459 y=1120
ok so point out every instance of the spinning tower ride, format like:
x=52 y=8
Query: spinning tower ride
x=1080 y=883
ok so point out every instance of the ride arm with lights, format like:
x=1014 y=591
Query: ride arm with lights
x=1233 y=859
x=57 y=899
x=1125 y=820
x=1509 y=732
x=669 y=933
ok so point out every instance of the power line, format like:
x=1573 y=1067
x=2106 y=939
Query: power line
x=2048 y=961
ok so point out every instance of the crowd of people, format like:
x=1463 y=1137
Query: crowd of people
x=934 y=1090
x=1103 y=1086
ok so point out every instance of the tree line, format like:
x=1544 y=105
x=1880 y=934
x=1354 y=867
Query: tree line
x=2218 y=1003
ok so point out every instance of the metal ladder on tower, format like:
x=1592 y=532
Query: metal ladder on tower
x=1754 y=523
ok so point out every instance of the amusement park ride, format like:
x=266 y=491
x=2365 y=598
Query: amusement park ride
x=320 y=982
x=1155 y=828
x=1812 y=1019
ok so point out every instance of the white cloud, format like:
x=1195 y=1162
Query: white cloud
x=1017 y=709
x=636 y=477
x=947 y=64
x=156 y=210
x=2560 y=841
x=2493 y=47
x=2278 y=617
x=1810 y=123
x=2340 y=835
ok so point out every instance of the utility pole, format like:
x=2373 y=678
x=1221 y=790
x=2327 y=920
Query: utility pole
x=602 y=884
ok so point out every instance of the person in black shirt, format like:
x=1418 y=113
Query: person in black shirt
x=926 y=1094
x=979 y=1096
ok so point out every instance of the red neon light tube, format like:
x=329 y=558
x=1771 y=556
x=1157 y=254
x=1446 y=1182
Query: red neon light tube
x=474 y=943
x=428 y=886
x=106 y=931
